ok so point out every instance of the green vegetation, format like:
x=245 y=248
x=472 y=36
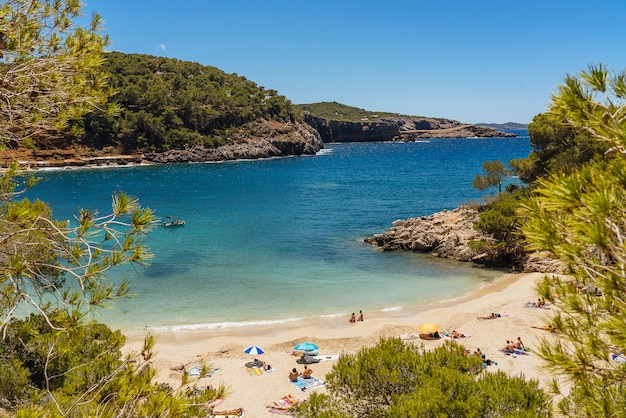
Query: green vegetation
x=341 y=112
x=52 y=272
x=494 y=173
x=49 y=71
x=557 y=147
x=578 y=216
x=396 y=379
x=167 y=103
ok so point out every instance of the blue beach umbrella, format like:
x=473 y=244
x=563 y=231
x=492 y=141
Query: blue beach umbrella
x=306 y=346
x=253 y=349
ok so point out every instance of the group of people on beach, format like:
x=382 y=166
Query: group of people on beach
x=512 y=345
x=306 y=374
x=354 y=319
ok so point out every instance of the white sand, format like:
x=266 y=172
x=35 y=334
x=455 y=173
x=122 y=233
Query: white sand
x=224 y=348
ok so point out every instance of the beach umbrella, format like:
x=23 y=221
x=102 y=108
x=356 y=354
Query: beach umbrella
x=253 y=349
x=306 y=346
x=428 y=328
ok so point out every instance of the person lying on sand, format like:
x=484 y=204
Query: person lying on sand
x=492 y=315
x=237 y=412
x=286 y=402
x=545 y=328
x=455 y=334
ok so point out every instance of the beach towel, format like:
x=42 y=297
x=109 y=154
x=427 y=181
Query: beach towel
x=532 y=305
x=254 y=371
x=279 y=411
x=196 y=370
x=324 y=358
x=306 y=384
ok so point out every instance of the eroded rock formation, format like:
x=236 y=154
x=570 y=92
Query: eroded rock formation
x=398 y=129
x=451 y=234
x=258 y=139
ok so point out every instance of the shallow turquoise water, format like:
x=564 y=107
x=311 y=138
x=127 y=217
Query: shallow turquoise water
x=281 y=239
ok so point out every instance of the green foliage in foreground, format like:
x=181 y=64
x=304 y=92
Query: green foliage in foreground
x=49 y=69
x=167 y=103
x=341 y=112
x=557 y=147
x=398 y=379
x=81 y=372
x=580 y=218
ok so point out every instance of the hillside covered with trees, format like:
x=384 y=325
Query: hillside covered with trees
x=167 y=103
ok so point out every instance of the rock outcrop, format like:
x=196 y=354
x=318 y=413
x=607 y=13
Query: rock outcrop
x=449 y=234
x=259 y=139
x=398 y=129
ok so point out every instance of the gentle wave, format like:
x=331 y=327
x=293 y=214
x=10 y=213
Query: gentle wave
x=221 y=325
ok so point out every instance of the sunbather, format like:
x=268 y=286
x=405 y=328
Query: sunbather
x=238 y=412
x=510 y=347
x=492 y=315
x=293 y=375
x=519 y=344
x=307 y=372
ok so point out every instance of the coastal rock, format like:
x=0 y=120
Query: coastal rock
x=450 y=234
x=258 y=139
x=397 y=129
x=445 y=234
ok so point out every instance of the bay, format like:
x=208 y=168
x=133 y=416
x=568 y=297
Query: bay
x=278 y=240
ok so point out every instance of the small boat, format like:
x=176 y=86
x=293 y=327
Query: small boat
x=169 y=221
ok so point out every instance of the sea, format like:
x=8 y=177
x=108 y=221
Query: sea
x=280 y=240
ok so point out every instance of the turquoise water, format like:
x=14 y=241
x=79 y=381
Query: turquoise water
x=281 y=239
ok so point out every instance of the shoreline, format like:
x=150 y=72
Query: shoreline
x=223 y=348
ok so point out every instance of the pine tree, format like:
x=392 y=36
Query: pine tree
x=581 y=219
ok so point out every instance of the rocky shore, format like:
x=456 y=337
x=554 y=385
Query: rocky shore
x=258 y=139
x=450 y=234
x=398 y=129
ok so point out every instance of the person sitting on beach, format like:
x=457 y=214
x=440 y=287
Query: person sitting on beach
x=360 y=316
x=353 y=318
x=510 y=347
x=266 y=367
x=307 y=372
x=519 y=344
x=293 y=375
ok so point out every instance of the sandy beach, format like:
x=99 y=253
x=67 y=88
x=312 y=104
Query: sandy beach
x=223 y=349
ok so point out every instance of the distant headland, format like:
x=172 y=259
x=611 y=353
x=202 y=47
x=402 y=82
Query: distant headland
x=176 y=111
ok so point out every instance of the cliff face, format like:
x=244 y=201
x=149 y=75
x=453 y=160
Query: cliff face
x=449 y=233
x=258 y=139
x=397 y=129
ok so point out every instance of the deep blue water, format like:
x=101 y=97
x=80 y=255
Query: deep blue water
x=281 y=239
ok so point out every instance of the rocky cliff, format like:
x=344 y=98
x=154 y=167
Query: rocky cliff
x=397 y=129
x=258 y=139
x=449 y=234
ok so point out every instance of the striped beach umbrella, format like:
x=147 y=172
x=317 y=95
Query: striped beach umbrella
x=253 y=349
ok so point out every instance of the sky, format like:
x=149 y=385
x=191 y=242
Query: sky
x=472 y=61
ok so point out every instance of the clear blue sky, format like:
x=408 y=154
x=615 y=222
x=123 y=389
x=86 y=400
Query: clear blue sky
x=473 y=61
